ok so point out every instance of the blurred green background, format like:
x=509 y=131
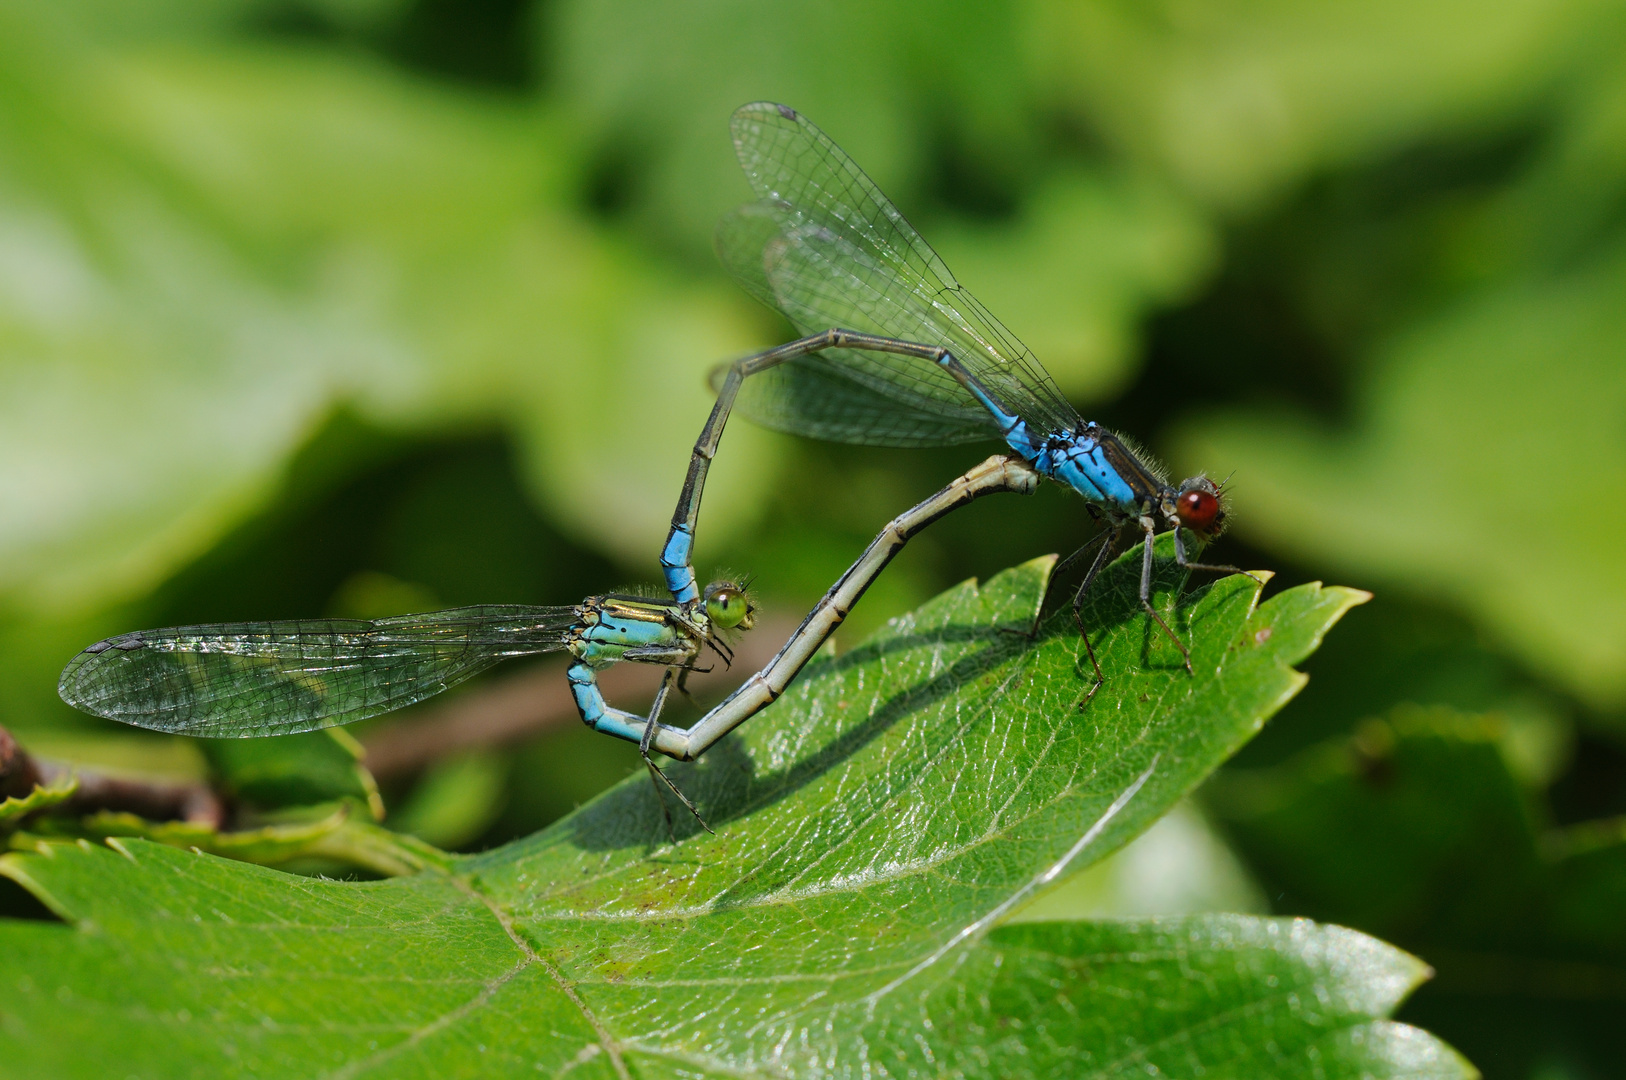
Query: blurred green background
x=365 y=306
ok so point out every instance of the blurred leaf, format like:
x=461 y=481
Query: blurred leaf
x=869 y=71
x=362 y=15
x=1589 y=889
x=556 y=773
x=1400 y=652
x=1237 y=100
x=456 y=801
x=935 y=109
x=44 y=796
x=1074 y=275
x=1516 y=395
x=117 y=22
x=210 y=247
x=368 y=594
x=1417 y=829
x=294 y=770
x=609 y=442
x=1562 y=202
x=1414 y=828
x=326 y=840
x=122 y=752
x=873 y=826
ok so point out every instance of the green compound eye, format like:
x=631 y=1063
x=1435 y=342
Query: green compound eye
x=728 y=606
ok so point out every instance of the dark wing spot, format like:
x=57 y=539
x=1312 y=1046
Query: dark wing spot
x=787 y=112
x=130 y=643
x=101 y=646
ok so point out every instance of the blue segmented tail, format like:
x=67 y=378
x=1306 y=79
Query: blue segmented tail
x=596 y=712
x=675 y=566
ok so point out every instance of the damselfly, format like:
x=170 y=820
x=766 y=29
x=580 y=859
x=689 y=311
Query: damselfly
x=996 y=474
x=275 y=678
x=898 y=353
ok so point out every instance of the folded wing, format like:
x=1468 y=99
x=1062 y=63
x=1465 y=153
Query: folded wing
x=274 y=678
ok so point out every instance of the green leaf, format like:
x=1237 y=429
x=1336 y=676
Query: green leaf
x=294 y=770
x=1239 y=101
x=1414 y=828
x=1515 y=394
x=44 y=796
x=1418 y=829
x=873 y=828
x=422 y=977
x=226 y=242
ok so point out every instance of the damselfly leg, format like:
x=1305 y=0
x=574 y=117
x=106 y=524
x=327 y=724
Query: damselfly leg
x=657 y=776
x=678 y=553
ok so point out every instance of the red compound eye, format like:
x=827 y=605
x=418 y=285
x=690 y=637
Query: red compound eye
x=1198 y=510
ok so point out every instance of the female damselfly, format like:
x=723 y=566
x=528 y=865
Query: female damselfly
x=275 y=678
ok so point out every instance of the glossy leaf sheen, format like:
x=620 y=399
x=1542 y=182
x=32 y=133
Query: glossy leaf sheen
x=872 y=828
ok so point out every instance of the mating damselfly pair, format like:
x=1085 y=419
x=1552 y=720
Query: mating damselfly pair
x=897 y=353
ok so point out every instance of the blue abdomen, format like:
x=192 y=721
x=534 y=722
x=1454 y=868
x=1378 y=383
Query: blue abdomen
x=675 y=565
x=595 y=711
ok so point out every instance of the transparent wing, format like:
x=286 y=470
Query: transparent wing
x=273 y=678
x=839 y=394
x=825 y=247
x=828 y=396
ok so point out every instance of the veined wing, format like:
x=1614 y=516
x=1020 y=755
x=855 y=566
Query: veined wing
x=825 y=247
x=274 y=678
x=839 y=394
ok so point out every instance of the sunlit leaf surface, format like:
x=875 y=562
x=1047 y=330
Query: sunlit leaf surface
x=872 y=830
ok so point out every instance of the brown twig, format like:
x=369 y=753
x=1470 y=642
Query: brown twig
x=18 y=774
x=536 y=700
x=155 y=800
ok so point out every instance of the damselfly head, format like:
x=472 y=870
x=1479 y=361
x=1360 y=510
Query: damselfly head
x=729 y=606
x=1199 y=507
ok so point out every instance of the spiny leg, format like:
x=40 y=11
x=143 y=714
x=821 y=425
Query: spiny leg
x=1108 y=539
x=1066 y=563
x=656 y=776
x=683 y=684
x=1186 y=564
x=1146 y=599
